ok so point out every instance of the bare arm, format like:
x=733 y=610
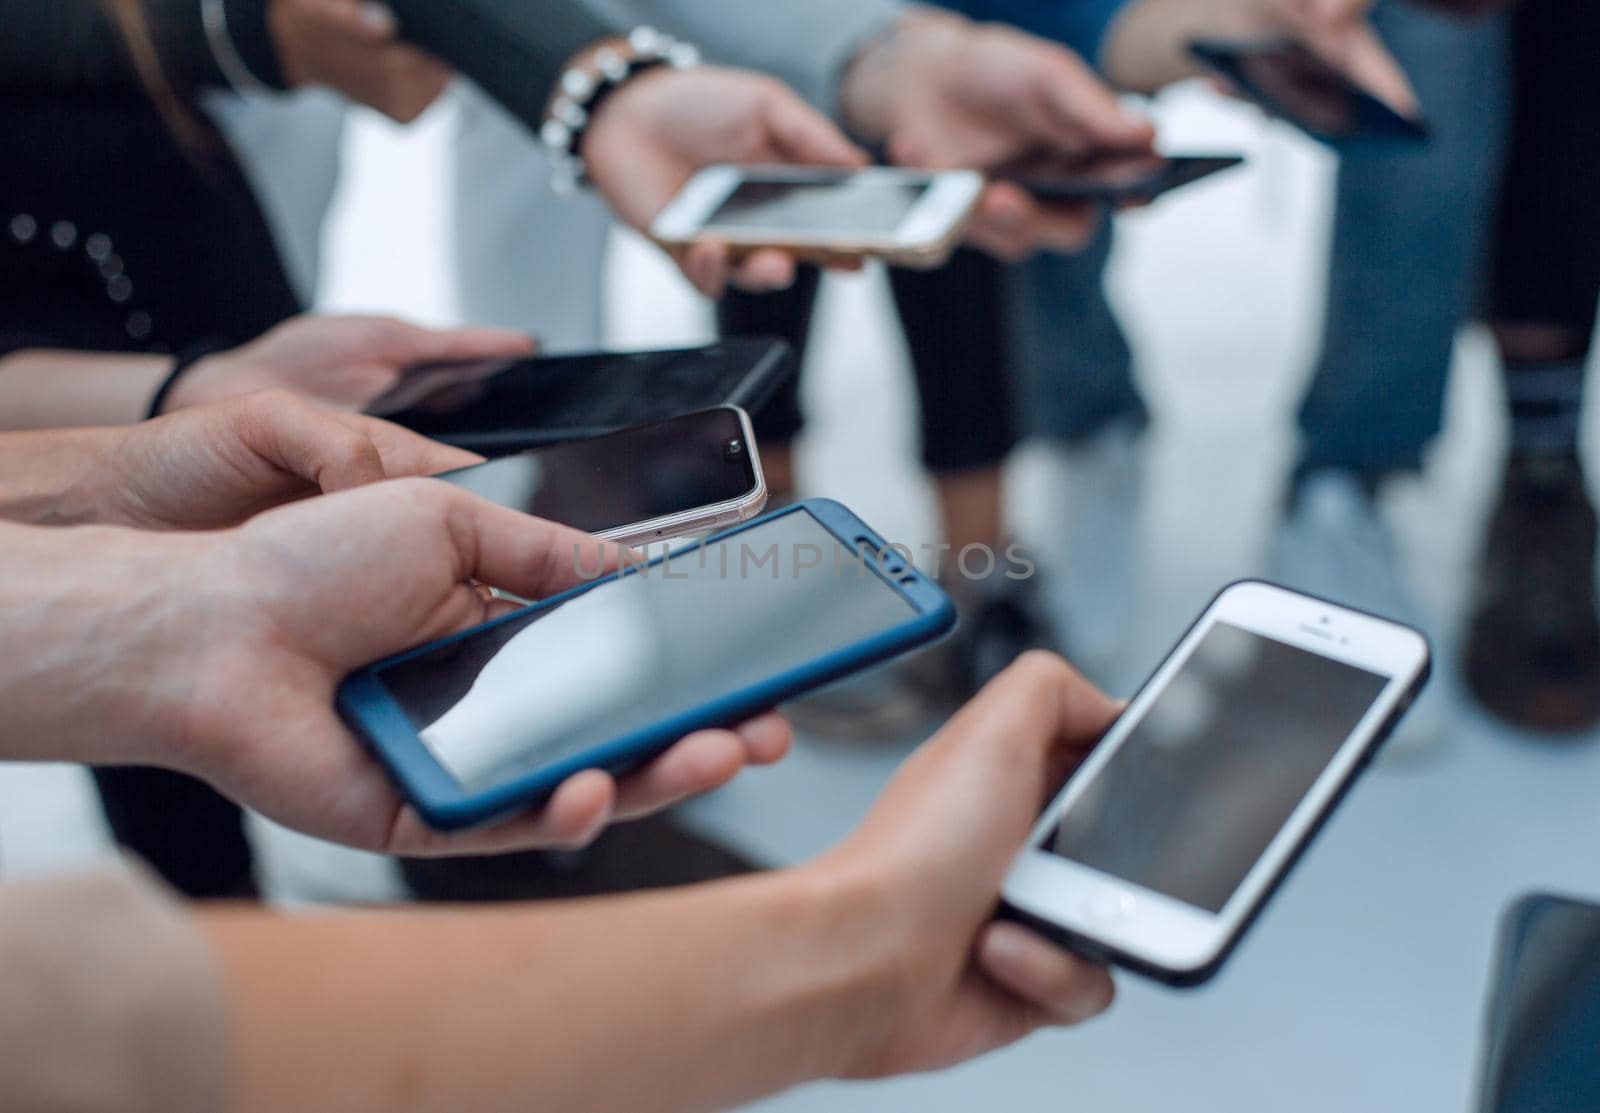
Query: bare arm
x=878 y=959
x=48 y=389
x=697 y=1000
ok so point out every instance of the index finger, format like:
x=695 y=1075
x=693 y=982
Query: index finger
x=527 y=556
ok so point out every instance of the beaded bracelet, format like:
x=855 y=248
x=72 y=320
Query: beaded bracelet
x=584 y=88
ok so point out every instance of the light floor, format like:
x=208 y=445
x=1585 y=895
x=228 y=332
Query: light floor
x=1361 y=988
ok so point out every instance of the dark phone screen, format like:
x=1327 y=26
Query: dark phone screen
x=1287 y=78
x=1113 y=178
x=620 y=479
x=489 y=405
x=1204 y=783
x=1543 y=1054
x=849 y=207
x=640 y=649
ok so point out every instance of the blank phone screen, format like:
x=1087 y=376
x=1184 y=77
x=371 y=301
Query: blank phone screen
x=1206 y=780
x=640 y=649
x=605 y=483
x=848 y=207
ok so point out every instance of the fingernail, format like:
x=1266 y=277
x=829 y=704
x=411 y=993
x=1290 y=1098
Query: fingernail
x=379 y=19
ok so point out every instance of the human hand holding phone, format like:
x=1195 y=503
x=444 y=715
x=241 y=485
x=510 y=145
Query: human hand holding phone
x=208 y=467
x=651 y=136
x=339 y=361
x=227 y=647
x=941 y=92
x=930 y=857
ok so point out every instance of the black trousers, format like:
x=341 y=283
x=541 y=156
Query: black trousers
x=956 y=325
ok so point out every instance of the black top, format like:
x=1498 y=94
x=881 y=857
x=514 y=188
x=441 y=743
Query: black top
x=515 y=49
x=116 y=235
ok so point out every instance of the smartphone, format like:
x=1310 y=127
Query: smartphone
x=1164 y=845
x=488 y=722
x=500 y=407
x=1541 y=1050
x=1113 y=179
x=906 y=217
x=664 y=479
x=1287 y=79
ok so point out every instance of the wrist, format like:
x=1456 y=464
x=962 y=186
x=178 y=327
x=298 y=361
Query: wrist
x=875 y=80
x=98 y=630
x=59 y=478
x=861 y=969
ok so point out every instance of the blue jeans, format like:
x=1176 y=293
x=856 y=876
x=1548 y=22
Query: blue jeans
x=1409 y=244
x=1410 y=239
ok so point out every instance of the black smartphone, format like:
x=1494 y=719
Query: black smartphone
x=1287 y=79
x=501 y=407
x=686 y=475
x=1542 y=1048
x=1113 y=179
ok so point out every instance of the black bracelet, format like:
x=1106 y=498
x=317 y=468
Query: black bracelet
x=180 y=367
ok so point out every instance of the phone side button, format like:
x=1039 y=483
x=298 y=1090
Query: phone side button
x=1111 y=907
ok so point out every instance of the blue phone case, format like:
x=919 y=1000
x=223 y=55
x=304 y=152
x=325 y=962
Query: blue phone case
x=444 y=804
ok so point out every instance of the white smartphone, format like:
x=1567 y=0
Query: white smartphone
x=907 y=217
x=1169 y=839
x=654 y=482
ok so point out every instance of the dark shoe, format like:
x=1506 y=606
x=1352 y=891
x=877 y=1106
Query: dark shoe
x=1533 y=652
x=1000 y=621
x=653 y=853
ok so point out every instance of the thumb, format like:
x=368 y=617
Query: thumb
x=802 y=135
x=304 y=441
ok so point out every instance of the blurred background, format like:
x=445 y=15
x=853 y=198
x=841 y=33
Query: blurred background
x=1362 y=987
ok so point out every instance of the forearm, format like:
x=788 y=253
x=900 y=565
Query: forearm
x=46 y=389
x=1147 y=47
x=97 y=641
x=696 y=999
x=54 y=478
x=514 y=49
x=809 y=45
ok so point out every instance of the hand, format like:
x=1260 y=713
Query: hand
x=1340 y=31
x=941 y=92
x=354 y=46
x=343 y=362
x=929 y=861
x=267 y=619
x=653 y=134
x=215 y=466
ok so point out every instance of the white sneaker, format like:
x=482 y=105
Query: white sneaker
x=1091 y=547
x=1334 y=544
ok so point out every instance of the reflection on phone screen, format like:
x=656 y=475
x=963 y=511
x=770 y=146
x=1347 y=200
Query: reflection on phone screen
x=636 y=475
x=1195 y=794
x=849 y=207
x=631 y=653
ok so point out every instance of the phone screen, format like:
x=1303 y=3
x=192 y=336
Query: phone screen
x=850 y=206
x=620 y=479
x=1197 y=791
x=1544 y=1023
x=638 y=650
x=1113 y=177
x=512 y=405
x=1286 y=77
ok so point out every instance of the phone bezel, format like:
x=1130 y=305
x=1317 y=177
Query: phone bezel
x=767 y=363
x=1377 y=121
x=695 y=519
x=949 y=198
x=1151 y=932
x=367 y=708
